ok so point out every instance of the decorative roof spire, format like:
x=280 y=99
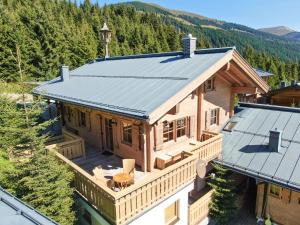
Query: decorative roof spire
x=106 y=37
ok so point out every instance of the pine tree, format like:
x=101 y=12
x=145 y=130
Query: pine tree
x=26 y=169
x=222 y=206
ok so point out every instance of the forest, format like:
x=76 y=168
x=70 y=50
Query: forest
x=56 y=32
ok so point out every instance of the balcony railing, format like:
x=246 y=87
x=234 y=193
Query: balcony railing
x=210 y=147
x=121 y=207
x=68 y=144
x=199 y=209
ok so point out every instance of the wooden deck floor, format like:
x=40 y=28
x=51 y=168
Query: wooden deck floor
x=111 y=164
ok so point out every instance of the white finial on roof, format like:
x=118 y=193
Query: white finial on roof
x=106 y=38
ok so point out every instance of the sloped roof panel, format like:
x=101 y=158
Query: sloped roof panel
x=245 y=149
x=131 y=85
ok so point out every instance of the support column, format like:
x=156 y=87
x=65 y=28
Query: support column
x=144 y=166
x=231 y=112
x=200 y=94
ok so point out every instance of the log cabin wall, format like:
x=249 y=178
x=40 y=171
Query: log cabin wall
x=94 y=131
x=283 y=207
x=216 y=99
x=289 y=97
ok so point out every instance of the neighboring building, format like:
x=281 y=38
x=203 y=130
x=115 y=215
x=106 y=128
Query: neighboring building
x=164 y=111
x=257 y=97
x=285 y=95
x=263 y=143
x=15 y=212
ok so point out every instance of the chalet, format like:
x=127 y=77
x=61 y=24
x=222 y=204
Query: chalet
x=140 y=131
x=262 y=142
x=285 y=95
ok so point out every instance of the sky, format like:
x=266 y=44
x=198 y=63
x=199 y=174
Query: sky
x=252 y=13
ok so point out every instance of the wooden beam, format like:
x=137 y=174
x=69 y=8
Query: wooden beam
x=244 y=90
x=223 y=78
x=234 y=78
x=199 y=111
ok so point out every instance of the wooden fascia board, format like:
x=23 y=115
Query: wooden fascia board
x=164 y=108
x=240 y=61
x=244 y=90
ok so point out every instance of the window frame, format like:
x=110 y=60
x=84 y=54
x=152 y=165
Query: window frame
x=274 y=189
x=82 y=119
x=176 y=217
x=210 y=84
x=213 y=120
x=169 y=132
x=182 y=129
x=127 y=133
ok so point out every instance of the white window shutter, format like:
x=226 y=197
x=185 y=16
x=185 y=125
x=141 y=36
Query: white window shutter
x=192 y=126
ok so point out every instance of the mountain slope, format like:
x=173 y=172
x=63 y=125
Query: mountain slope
x=220 y=33
x=280 y=30
x=283 y=31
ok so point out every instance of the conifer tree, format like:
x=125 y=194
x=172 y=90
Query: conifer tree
x=222 y=206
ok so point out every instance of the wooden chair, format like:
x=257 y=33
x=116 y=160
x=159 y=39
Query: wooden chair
x=129 y=167
x=98 y=173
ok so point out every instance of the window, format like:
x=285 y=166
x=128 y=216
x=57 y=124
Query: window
x=69 y=113
x=127 y=133
x=172 y=213
x=210 y=85
x=275 y=190
x=168 y=131
x=214 y=116
x=141 y=138
x=229 y=126
x=87 y=216
x=181 y=127
x=82 y=119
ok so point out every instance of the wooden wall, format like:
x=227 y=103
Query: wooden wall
x=284 y=209
x=195 y=108
x=289 y=97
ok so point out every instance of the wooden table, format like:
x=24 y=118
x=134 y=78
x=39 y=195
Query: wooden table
x=122 y=180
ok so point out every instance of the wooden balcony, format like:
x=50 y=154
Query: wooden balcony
x=199 y=209
x=148 y=190
x=210 y=146
x=68 y=144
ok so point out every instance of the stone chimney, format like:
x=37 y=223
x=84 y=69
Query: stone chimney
x=275 y=140
x=189 y=46
x=64 y=73
x=293 y=82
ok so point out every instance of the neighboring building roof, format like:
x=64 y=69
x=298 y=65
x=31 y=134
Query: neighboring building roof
x=245 y=149
x=263 y=73
x=15 y=212
x=138 y=85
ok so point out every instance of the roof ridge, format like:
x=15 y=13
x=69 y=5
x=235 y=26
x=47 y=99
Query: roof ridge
x=270 y=107
x=137 y=77
x=162 y=54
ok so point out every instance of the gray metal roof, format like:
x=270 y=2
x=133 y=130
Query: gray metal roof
x=245 y=149
x=15 y=212
x=263 y=73
x=133 y=85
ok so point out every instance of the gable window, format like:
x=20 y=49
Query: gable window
x=168 y=131
x=83 y=119
x=210 y=84
x=127 y=133
x=181 y=127
x=172 y=213
x=214 y=116
x=275 y=190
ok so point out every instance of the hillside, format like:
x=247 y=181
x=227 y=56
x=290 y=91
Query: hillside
x=280 y=31
x=283 y=31
x=50 y=33
x=221 y=33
